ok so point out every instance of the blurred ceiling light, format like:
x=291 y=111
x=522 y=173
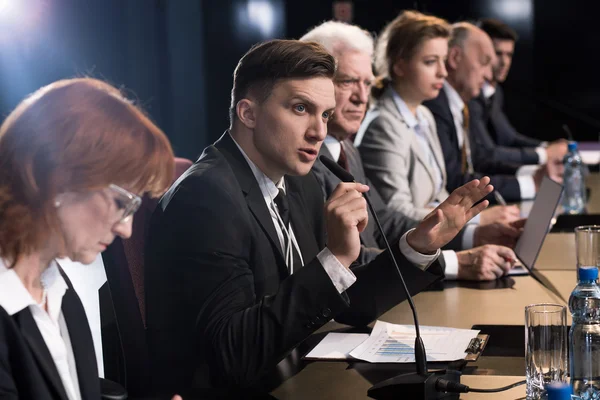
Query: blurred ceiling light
x=262 y=15
x=513 y=9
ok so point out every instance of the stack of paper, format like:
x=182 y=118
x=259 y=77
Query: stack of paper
x=389 y=343
x=396 y=343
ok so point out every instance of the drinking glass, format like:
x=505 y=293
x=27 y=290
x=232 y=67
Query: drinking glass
x=587 y=243
x=545 y=347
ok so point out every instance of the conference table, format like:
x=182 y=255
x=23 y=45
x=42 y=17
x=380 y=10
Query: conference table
x=499 y=305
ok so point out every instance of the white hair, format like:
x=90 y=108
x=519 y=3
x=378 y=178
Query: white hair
x=338 y=37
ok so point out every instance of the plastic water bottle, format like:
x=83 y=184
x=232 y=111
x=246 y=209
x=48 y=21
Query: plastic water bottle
x=584 y=337
x=573 y=201
x=558 y=391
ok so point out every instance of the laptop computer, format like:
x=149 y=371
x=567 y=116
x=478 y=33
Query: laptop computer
x=537 y=226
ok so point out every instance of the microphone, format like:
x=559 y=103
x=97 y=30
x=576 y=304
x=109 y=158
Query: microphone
x=419 y=385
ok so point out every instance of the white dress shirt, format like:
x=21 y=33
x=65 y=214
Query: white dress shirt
x=341 y=277
x=488 y=91
x=14 y=297
x=526 y=182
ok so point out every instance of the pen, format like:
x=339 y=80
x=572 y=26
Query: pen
x=499 y=198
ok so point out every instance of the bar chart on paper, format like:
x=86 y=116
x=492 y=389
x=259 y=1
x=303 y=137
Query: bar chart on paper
x=395 y=343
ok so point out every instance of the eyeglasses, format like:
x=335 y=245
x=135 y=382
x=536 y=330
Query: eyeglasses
x=127 y=203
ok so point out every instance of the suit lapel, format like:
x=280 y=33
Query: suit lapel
x=324 y=151
x=436 y=148
x=440 y=106
x=82 y=344
x=353 y=161
x=416 y=147
x=254 y=197
x=40 y=351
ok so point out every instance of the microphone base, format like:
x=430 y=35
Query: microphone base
x=414 y=386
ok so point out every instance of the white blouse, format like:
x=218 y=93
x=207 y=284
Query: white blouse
x=14 y=297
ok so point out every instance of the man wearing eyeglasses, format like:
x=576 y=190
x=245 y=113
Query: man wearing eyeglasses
x=244 y=259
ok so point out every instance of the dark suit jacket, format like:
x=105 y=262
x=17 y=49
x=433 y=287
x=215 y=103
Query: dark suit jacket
x=507 y=185
x=221 y=308
x=493 y=138
x=27 y=370
x=501 y=129
x=394 y=223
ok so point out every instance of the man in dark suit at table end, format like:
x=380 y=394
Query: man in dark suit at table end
x=244 y=259
x=491 y=128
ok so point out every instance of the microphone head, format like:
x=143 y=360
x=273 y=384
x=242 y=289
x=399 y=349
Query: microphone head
x=338 y=171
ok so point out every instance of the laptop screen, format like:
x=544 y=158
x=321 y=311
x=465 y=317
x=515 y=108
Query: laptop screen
x=538 y=223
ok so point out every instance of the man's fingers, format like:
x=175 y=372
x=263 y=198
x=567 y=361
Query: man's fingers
x=343 y=199
x=498 y=272
x=483 y=182
x=356 y=217
x=509 y=231
x=363 y=221
x=519 y=224
x=471 y=197
x=514 y=211
x=473 y=211
x=471 y=192
x=502 y=263
x=506 y=253
x=344 y=187
x=460 y=193
x=348 y=206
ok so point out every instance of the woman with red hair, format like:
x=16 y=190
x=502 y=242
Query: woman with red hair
x=75 y=157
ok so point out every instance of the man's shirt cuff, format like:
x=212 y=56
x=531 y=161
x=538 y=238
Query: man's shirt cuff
x=341 y=277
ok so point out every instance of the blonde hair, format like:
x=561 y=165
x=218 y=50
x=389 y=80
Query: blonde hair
x=401 y=39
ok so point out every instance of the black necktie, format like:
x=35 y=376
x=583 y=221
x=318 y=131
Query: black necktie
x=283 y=206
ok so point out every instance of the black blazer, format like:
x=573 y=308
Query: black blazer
x=507 y=185
x=27 y=370
x=221 y=308
x=493 y=137
x=502 y=131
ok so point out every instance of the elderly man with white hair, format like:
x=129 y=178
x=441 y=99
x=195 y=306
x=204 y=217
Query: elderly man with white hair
x=353 y=49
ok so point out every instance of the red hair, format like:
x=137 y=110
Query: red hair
x=72 y=135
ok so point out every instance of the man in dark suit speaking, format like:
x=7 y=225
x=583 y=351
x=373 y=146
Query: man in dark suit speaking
x=245 y=261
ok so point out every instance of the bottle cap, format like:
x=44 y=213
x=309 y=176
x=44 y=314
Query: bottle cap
x=558 y=391
x=588 y=273
x=572 y=146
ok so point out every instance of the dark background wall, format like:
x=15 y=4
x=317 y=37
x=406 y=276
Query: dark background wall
x=177 y=56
